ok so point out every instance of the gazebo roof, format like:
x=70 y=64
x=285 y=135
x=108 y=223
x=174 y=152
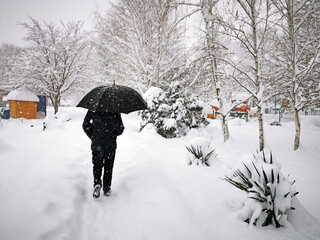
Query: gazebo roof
x=22 y=94
x=214 y=102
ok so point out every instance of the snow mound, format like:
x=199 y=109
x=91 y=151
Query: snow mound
x=300 y=219
x=149 y=129
x=22 y=94
x=311 y=122
x=237 y=122
x=208 y=131
x=5 y=147
x=66 y=113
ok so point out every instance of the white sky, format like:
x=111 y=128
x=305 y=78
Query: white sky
x=15 y=11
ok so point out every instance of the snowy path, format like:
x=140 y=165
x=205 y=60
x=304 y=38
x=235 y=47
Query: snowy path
x=46 y=186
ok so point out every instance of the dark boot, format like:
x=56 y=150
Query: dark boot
x=96 y=191
x=107 y=192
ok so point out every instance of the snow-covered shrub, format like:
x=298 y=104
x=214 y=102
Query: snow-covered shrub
x=269 y=193
x=173 y=113
x=158 y=113
x=200 y=151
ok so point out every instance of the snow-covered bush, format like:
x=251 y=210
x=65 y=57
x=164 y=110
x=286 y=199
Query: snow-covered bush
x=173 y=113
x=200 y=151
x=158 y=113
x=269 y=193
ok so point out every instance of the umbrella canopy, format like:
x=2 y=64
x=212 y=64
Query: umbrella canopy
x=113 y=98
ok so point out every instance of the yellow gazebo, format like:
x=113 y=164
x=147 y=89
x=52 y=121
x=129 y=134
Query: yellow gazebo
x=23 y=104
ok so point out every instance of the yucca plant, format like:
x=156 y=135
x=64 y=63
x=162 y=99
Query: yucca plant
x=199 y=154
x=269 y=188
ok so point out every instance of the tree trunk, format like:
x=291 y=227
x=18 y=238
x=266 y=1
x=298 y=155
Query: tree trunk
x=258 y=80
x=261 y=133
x=56 y=107
x=225 y=128
x=56 y=103
x=212 y=50
x=293 y=90
x=298 y=129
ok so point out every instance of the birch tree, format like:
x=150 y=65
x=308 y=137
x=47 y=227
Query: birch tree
x=214 y=50
x=298 y=57
x=56 y=60
x=247 y=24
x=211 y=70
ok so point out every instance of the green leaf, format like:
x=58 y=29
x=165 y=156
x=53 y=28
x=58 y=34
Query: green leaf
x=196 y=151
x=236 y=184
x=265 y=183
x=258 y=199
x=264 y=157
x=208 y=156
x=275 y=193
x=296 y=193
x=256 y=169
x=265 y=176
x=243 y=177
x=250 y=174
x=258 y=186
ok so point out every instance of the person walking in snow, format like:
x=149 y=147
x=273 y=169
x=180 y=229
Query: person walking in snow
x=103 y=129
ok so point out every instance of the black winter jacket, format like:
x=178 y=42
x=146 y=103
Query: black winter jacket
x=103 y=129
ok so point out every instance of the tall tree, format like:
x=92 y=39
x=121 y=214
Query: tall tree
x=247 y=24
x=209 y=70
x=214 y=50
x=140 y=42
x=298 y=54
x=56 y=60
x=8 y=54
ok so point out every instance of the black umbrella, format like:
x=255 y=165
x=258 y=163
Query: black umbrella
x=113 y=98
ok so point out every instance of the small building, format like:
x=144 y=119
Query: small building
x=241 y=103
x=23 y=104
x=214 y=104
x=42 y=106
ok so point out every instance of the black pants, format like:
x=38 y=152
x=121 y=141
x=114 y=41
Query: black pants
x=103 y=160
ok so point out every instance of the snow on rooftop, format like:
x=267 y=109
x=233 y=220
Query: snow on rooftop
x=22 y=94
x=214 y=102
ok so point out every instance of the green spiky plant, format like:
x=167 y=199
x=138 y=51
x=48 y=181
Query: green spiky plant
x=198 y=153
x=262 y=187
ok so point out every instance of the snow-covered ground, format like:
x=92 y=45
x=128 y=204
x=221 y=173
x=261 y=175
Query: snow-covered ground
x=46 y=182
